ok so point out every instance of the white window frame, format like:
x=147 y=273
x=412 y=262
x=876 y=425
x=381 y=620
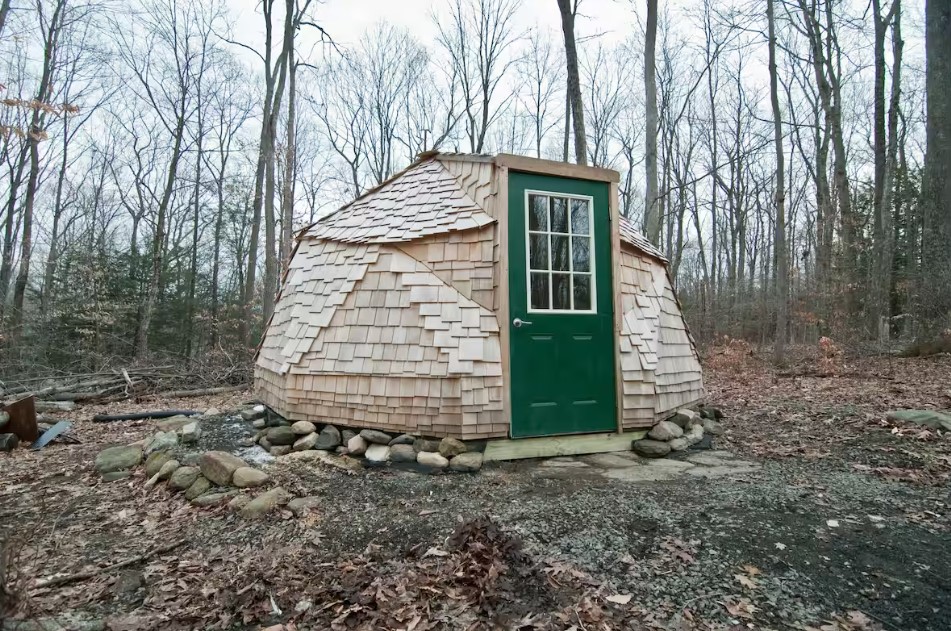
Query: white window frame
x=593 y=273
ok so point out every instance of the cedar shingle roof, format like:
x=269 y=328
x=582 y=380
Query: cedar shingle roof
x=630 y=235
x=424 y=200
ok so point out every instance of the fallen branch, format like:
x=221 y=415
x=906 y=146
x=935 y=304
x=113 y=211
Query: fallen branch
x=181 y=394
x=138 y=416
x=64 y=579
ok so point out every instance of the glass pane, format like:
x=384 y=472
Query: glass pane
x=559 y=214
x=579 y=216
x=539 y=291
x=559 y=253
x=581 y=254
x=538 y=251
x=560 y=291
x=537 y=212
x=582 y=288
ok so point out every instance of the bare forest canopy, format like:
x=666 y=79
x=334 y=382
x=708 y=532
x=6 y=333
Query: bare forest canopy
x=155 y=162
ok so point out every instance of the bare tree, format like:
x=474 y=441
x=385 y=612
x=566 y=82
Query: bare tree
x=541 y=66
x=569 y=11
x=652 y=218
x=779 y=239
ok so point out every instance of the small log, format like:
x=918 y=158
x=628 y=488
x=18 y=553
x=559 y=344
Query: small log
x=55 y=406
x=138 y=416
x=202 y=392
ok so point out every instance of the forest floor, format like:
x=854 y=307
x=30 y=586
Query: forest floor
x=844 y=525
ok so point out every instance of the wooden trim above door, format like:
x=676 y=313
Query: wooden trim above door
x=558 y=169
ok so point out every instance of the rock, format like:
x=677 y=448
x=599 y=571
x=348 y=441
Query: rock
x=238 y=501
x=712 y=427
x=200 y=486
x=210 y=499
x=4 y=418
x=432 y=460
x=378 y=453
x=426 y=444
x=191 y=433
x=402 y=453
x=346 y=435
x=344 y=463
x=450 y=447
x=302 y=428
x=265 y=443
x=160 y=441
x=376 y=437
x=341 y=451
x=155 y=462
x=705 y=442
x=114 y=476
x=219 y=466
x=467 y=462
x=251 y=414
x=302 y=505
x=706 y=412
x=265 y=503
x=305 y=442
x=212 y=412
x=9 y=442
x=683 y=418
x=665 y=430
x=928 y=418
x=328 y=439
x=183 y=477
x=650 y=448
x=259 y=423
x=248 y=477
x=128 y=581
x=281 y=450
x=403 y=439
x=357 y=446
x=679 y=444
x=173 y=423
x=168 y=468
x=281 y=435
x=118 y=458
x=695 y=434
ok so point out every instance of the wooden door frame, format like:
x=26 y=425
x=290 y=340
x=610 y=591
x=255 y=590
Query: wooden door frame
x=506 y=162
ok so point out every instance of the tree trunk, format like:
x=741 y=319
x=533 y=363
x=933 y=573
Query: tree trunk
x=290 y=157
x=574 y=79
x=779 y=239
x=651 y=206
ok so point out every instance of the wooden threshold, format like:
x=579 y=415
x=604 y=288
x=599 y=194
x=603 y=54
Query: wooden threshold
x=549 y=446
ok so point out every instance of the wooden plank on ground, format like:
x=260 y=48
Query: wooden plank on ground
x=549 y=446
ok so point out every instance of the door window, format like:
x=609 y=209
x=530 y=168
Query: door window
x=560 y=265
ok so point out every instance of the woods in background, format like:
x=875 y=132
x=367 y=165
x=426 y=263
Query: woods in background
x=155 y=163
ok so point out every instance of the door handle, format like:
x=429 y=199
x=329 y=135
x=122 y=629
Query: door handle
x=518 y=323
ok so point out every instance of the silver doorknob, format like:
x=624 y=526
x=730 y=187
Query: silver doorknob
x=518 y=322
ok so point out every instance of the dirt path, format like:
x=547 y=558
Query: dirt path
x=841 y=520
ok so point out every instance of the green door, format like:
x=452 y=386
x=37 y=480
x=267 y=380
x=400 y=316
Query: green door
x=561 y=305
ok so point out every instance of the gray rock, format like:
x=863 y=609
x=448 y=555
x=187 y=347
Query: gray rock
x=254 y=413
x=212 y=412
x=155 y=462
x=346 y=435
x=238 y=501
x=432 y=460
x=302 y=505
x=160 y=441
x=357 y=445
x=118 y=458
x=927 y=418
x=302 y=428
x=281 y=450
x=114 y=476
x=665 y=430
x=249 y=477
x=467 y=462
x=183 y=477
x=403 y=439
x=173 y=423
x=259 y=423
x=219 y=466
x=265 y=503
x=342 y=451
x=4 y=418
x=329 y=438
x=679 y=444
x=200 y=486
x=712 y=427
x=426 y=444
x=191 y=433
x=695 y=434
x=650 y=448
x=9 y=442
x=450 y=447
x=210 y=499
x=402 y=453
x=376 y=437
x=265 y=443
x=305 y=442
x=683 y=418
x=378 y=453
x=281 y=435
x=164 y=473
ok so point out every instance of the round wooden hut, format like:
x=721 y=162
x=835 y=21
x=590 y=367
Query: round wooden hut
x=479 y=297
